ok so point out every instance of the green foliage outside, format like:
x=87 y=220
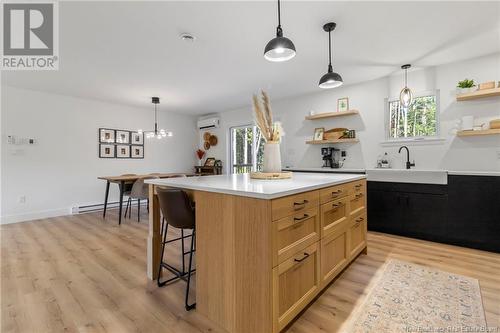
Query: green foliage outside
x=245 y=158
x=419 y=120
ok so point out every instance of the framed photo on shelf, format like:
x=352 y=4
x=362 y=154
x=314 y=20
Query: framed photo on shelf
x=106 y=150
x=137 y=138
x=343 y=104
x=319 y=134
x=137 y=151
x=122 y=137
x=106 y=135
x=210 y=162
x=122 y=151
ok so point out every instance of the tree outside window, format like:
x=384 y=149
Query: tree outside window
x=420 y=119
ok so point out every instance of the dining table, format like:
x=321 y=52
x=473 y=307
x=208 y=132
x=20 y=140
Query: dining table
x=123 y=180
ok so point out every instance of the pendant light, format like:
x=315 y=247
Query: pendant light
x=405 y=97
x=279 y=48
x=330 y=79
x=156 y=133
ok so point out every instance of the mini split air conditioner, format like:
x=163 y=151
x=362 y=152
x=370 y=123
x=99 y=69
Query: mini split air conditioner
x=208 y=123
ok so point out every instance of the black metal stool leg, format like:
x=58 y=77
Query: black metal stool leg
x=190 y=306
x=164 y=228
x=182 y=252
x=126 y=208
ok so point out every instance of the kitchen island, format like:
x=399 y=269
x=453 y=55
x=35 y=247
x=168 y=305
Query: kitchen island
x=265 y=249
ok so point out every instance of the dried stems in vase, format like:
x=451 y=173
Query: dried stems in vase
x=264 y=119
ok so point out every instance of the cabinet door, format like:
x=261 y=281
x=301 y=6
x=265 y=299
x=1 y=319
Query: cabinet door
x=334 y=215
x=384 y=211
x=424 y=215
x=357 y=234
x=296 y=282
x=334 y=255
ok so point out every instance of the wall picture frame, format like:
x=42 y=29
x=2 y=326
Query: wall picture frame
x=122 y=137
x=319 y=134
x=106 y=135
x=122 y=151
x=136 y=138
x=343 y=104
x=136 y=151
x=106 y=150
x=209 y=162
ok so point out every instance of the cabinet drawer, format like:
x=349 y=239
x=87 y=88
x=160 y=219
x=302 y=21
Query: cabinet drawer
x=357 y=202
x=297 y=203
x=357 y=234
x=358 y=186
x=293 y=233
x=295 y=283
x=334 y=215
x=334 y=255
x=332 y=193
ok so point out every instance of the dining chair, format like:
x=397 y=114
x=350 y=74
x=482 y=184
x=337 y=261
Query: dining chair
x=140 y=191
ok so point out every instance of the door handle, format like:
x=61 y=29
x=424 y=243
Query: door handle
x=303 y=258
x=360 y=219
x=300 y=219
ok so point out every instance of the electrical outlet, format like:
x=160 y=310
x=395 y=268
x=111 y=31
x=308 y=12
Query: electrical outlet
x=343 y=153
x=22 y=199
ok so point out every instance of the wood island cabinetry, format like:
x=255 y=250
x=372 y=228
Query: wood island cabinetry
x=261 y=261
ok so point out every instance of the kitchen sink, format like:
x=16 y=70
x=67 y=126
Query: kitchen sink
x=439 y=177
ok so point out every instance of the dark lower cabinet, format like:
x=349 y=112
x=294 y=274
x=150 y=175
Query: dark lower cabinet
x=466 y=212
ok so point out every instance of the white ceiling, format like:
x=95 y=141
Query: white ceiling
x=125 y=52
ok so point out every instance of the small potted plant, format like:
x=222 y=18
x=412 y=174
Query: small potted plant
x=465 y=86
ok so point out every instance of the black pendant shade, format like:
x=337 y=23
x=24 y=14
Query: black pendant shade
x=279 y=48
x=330 y=79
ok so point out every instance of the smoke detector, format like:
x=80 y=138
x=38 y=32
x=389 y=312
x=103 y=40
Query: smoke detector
x=187 y=37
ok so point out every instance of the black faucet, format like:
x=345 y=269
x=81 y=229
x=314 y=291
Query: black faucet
x=408 y=164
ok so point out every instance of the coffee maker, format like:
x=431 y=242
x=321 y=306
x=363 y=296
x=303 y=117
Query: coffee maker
x=331 y=157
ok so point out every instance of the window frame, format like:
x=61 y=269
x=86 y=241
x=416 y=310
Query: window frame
x=436 y=137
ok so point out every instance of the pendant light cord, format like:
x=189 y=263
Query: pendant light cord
x=279 y=31
x=406 y=77
x=156 y=119
x=330 y=68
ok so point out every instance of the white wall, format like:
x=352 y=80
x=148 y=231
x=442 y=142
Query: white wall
x=453 y=153
x=60 y=171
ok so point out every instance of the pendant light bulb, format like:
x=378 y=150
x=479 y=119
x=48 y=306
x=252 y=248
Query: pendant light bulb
x=280 y=48
x=405 y=96
x=330 y=79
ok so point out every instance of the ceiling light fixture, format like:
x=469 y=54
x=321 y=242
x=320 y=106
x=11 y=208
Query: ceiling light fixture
x=330 y=79
x=279 y=48
x=155 y=133
x=406 y=96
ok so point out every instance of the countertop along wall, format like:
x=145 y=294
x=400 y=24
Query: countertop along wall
x=60 y=171
x=450 y=153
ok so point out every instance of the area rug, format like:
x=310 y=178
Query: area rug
x=407 y=297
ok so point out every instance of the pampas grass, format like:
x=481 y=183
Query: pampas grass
x=264 y=119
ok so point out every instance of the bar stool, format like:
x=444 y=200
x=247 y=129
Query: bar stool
x=178 y=212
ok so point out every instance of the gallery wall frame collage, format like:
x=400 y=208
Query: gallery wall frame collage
x=114 y=143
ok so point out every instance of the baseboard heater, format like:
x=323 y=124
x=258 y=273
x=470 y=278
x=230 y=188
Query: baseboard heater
x=100 y=207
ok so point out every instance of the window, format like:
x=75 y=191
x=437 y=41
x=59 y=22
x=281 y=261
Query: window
x=418 y=121
x=247 y=149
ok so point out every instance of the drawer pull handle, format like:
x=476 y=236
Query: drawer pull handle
x=300 y=204
x=335 y=193
x=303 y=258
x=360 y=219
x=300 y=219
x=358 y=186
x=359 y=195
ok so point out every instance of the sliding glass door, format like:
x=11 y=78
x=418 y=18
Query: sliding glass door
x=247 y=148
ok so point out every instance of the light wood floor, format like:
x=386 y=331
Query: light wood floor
x=86 y=274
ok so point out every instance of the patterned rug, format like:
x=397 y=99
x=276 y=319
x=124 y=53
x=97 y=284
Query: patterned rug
x=408 y=297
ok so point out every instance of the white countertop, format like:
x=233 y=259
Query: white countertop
x=326 y=170
x=243 y=185
x=474 y=173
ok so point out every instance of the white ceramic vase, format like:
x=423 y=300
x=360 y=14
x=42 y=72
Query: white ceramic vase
x=272 y=157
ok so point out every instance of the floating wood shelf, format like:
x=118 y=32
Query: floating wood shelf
x=322 y=142
x=479 y=94
x=478 y=133
x=332 y=114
